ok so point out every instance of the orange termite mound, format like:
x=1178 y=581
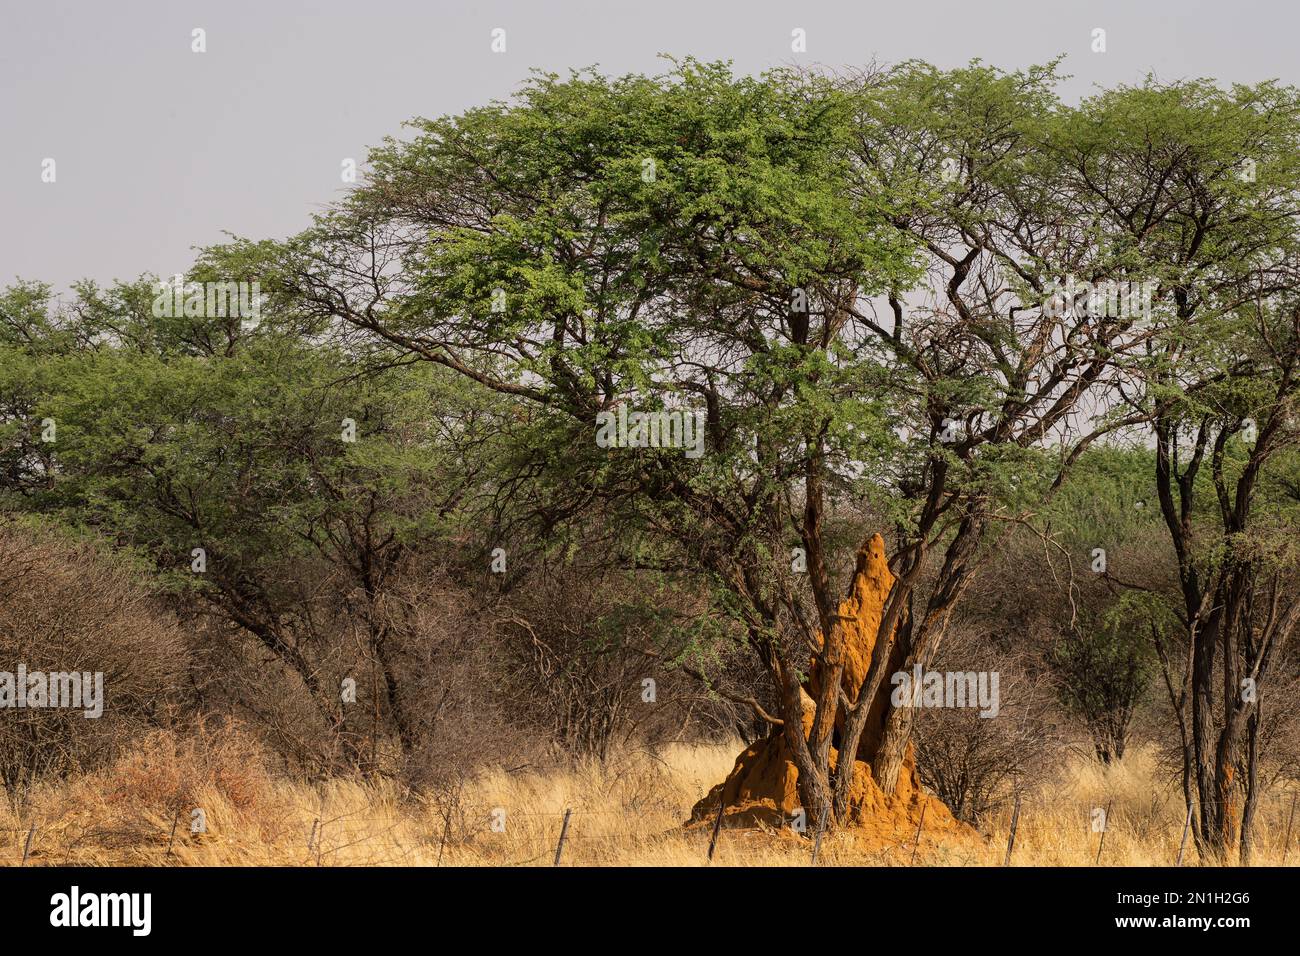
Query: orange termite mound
x=762 y=791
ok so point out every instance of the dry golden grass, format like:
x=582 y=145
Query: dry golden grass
x=627 y=812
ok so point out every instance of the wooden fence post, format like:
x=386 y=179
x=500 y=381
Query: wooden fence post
x=1011 y=838
x=1182 y=844
x=446 y=829
x=27 y=847
x=564 y=831
x=171 y=840
x=1105 y=825
x=1286 y=844
x=717 y=828
x=920 y=823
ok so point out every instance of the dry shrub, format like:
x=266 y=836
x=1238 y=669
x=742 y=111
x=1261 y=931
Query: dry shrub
x=975 y=763
x=67 y=606
x=1280 y=731
x=448 y=673
x=235 y=675
x=580 y=643
x=415 y=649
x=140 y=809
x=169 y=772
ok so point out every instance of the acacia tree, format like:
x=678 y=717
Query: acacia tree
x=1005 y=374
x=849 y=277
x=620 y=224
x=1199 y=186
x=308 y=487
x=1236 y=559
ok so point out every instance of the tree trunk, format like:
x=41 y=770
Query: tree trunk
x=958 y=569
x=1252 y=789
x=1210 y=829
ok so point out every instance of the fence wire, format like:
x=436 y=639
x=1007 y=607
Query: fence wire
x=52 y=842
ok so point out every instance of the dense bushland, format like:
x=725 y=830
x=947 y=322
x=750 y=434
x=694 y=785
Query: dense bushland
x=373 y=526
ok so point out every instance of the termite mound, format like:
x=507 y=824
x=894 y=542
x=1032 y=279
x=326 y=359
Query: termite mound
x=762 y=789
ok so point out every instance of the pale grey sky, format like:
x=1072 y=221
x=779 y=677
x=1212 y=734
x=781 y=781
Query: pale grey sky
x=159 y=149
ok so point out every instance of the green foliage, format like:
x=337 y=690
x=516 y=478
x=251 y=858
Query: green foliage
x=847 y=276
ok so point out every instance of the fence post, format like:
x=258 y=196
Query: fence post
x=1105 y=825
x=717 y=828
x=1182 y=844
x=1286 y=844
x=27 y=847
x=564 y=831
x=446 y=829
x=1011 y=838
x=171 y=840
x=920 y=823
